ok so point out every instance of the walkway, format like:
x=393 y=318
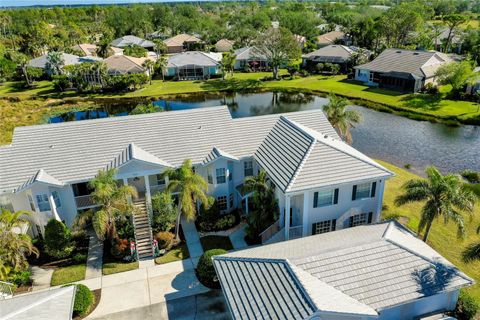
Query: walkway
x=192 y=238
x=41 y=278
x=95 y=256
x=238 y=237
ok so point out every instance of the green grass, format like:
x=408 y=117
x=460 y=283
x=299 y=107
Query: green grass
x=442 y=237
x=116 y=267
x=177 y=253
x=68 y=274
x=216 y=242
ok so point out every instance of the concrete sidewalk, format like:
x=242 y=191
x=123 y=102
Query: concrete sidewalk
x=95 y=256
x=192 y=238
x=238 y=238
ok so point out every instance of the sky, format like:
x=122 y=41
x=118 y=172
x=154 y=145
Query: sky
x=20 y=3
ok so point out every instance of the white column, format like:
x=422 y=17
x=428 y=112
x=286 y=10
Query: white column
x=287 y=217
x=306 y=213
x=148 y=196
x=379 y=195
x=53 y=208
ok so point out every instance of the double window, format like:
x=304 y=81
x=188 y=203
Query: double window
x=42 y=202
x=324 y=226
x=222 y=202
x=360 y=219
x=220 y=173
x=364 y=190
x=325 y=198
x=248 y=168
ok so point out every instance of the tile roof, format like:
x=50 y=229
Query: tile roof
x=224 y=45
x=248 y=53
x=199 y=58
x=297 y=158
x=180 y=39
x=40 y=176
x=413 y=62
x=124 y=64
x=380 y=266
x=76 y=151
x=132 y=152
x=131 y=40
x=331 y=53
x=217 y=153
x=87 y=48
x=68 y=59
x=330 y=37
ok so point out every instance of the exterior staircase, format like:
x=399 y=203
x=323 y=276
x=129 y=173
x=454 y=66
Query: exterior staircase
x=143 y=230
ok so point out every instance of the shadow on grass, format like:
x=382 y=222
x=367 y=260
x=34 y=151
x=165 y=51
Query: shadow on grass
x=423 y=101
x=231 y=84
x=384 y=92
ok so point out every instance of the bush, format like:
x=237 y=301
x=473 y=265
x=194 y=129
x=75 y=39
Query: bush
x=164 y=211
x=125 y=228
x=79 y=258
x=119 y=249
x=58 y=239
x=471 y=176
x=225 y=222
x=467 y=307
x=83 y=300
x=205 y=269
x=61 y=83
x=164 y=239
x=21 y=278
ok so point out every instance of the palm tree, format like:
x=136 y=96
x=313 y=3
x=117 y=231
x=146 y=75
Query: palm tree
x=340 y=118
x=190 y=187
x=104 y=49
x=445 y=196
x=472 y=252
x=149 y=66
x=14 y=244
x=113 y=200
x=160 y=65
x=55 y=63
x=160 y=47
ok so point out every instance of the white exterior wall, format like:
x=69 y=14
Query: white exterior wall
x=68 y=208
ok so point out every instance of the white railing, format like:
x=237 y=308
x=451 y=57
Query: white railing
x=270 y=231
x=84 y=201
x=295 y=232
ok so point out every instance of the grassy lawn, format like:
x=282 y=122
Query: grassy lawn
x=442 y=237
x=177 y=253
x=116 y=267
x=216 y=242
x=68 y=274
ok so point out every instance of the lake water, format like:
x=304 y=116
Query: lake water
x=380 y=135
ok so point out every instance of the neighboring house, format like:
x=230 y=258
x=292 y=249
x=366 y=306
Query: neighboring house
x=192 y=65
x=332 y=37
x=247 y=56
x=322 y=183
x=68 y=60
x=455 y=42
x=126 y=41
x=474 y=88
x=334 y=53
x=88 y=49
x=122 y=64
x=379 y=271
x=117 y=51
x=402 y=70
x=182 y=42
x=224 y=45
x=43 y=305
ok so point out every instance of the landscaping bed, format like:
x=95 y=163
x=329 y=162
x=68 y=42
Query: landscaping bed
x=176 y=253
x=113 y=264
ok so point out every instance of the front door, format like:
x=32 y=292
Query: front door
x=139 y=184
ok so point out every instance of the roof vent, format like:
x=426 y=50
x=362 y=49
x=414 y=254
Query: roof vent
x=398 y=51
x=51 y=146
x=325 y=136
x=199 y=127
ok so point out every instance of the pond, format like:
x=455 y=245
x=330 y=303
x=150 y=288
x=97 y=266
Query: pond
x=385 y=136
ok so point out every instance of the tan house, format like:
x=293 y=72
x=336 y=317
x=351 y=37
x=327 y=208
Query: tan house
x=125 y=65
x=328 y=38
x=224 y=45
x=87 y=49
x=181 y=42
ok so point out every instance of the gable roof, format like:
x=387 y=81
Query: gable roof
x=131 y=40
x=124 y=64
x=76 y=151
x=42 y=177
x=331 y=53
x=415 y=62
x=133 y=152
x=375 y=257
x=87 y=48
x=297 y=158
x=199 y=58
x=248 y=53
x=68 y=59
x=224 y=44
x=330 y=37
x=180 y=39
x=217 y=153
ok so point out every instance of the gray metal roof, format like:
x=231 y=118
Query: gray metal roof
x=131 y=40
x=194 y=58
x=76 y=151
x=68 y=59
x=43 y=305
x=331 y=53
x=374 y=266
x=216 y=154
x=297 y=158
x=406 y=61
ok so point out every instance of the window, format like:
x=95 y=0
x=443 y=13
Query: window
x=159 y=180
x=222 y=202
x=56 y=199
x=325 y=198
x=230 y=174
x=42 y=202
x=364 y=190
x=209 y=176
x=360 y=219
x=248 y=168
x=324 y=226
x=231 y=200
x=30 y=201
x=220 y=175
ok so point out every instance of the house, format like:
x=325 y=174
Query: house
x=246 y=57
x=333 y=53
x=42 y=305
x=402 y=70
x=321 y=183
x=474 y=88
x=121 y=64
x=193 y=65
x=380 y=271
x=87 y=49
x=332 y=37
x=130 y=40
x=182 y=42
x=68 y=60
x=117 y=51
x=224 y=45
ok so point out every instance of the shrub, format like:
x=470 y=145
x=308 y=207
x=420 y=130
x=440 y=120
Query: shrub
x=125 y=228
x=21 y=278
x=164 y=211
x=164 y=239
x=79 y=258
x=58 y=239
x=471 y=176
x=225 y=222
x=61 y=83
x=119 y=249
x=83 y=300
x=205 y=269
x=467 y=307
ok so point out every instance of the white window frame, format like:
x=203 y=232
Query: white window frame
x=359 y=219
x=247 y=167
x=222 y=203
x=43 y=204
x=332 y=196
x=367 y=194
x=222 y=175
x=56 y=199
x=323 y=226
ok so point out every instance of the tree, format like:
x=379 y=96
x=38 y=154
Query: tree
x=278 y=46
x=135 y=50
x=104 y=49
x=227 y=64
x=190 y=188
x=160 y=47
x=55 y=63
x=22 y=61
x=14 y=245
x=456 y=74
x=265 y=206
x=164 y=211
x=341 y=118
x=444 y=196
x=160 y=65
x=453 y=21
x=113 y=201
x=149 y=65
x=58 y=239
x=293 y=67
